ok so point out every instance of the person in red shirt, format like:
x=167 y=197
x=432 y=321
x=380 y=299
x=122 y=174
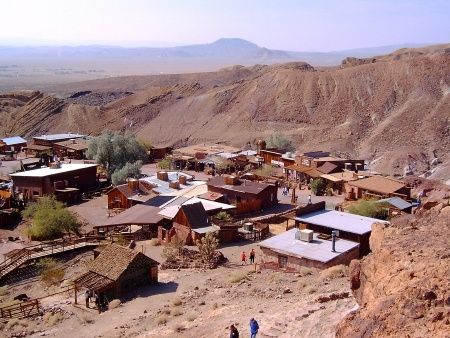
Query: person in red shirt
x=243 y=258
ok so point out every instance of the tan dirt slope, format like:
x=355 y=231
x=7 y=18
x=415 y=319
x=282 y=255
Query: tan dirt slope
x=390 y=109
x=403 y=286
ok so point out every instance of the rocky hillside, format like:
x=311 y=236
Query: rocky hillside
x=392 y=110
x=403 y=286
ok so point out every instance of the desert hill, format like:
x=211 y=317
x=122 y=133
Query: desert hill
x=392 y=109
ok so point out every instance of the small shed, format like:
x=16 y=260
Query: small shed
x=133 y=192
x=14 y=144
x=117 y=270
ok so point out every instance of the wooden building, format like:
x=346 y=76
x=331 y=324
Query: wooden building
x=115 y=271
x=247 y=196
x=190 y=223
x=73 y=149
x=377 y=187
x=50 y=140
x=65 y=181
x=138 y=222
x=317 y=159
x=14 y=144
x=134 y=192
x=158 y=153
x=351 y=227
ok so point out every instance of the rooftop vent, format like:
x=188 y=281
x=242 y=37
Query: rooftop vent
x=304 y=235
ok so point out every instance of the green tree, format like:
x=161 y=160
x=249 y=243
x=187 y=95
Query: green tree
x=223 y=216
x=132 y=170
x=280 y=141
x=50 y=219
x=207 y=245
x=318 y=186
x=165 y=163
x=114 y=150
x=368 y=208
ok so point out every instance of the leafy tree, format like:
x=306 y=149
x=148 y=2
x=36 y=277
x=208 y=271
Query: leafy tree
x=129 y=170
x=318 y=186
x=114 y=150
x=51 y=271
x=222 y=164
x=165 y=163
x=280 y=141
x=50 y=219
x=368 y=208
x=145 y=144
x=173 y=250
x=207 y=245
x=223 y=216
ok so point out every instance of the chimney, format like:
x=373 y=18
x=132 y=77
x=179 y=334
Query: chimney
x=162 y=175
x=182 y=179
x=334 y=234
x=174 y=184
x=133 y=184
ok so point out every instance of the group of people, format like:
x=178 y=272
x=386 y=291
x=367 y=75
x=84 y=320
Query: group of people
x=244 y=257
x=254 y=327
x=285 y=191
x=99 y=300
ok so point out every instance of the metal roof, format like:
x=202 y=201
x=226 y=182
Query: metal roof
x=339 y=220
x=10 y=141
x=317 y=250
x=55 y=137
x=42 y=172
x=248 y=152
x=397 y=202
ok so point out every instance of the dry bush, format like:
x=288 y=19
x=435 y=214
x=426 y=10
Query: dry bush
x=162 y=320
x=178 y=328
x=333 y=272
x=176 y=302
x=310 y=289
x=85 y=319
x=166 y=311
x=52 y=319
x=215 y=306
x=236 y=277
x=16 y=324
x=51 y=272
x=304 y=271
x=154 y=242
x=114 y=303
x=191 y=317
x=177 y=312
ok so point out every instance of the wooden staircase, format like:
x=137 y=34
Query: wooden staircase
x=45 y=249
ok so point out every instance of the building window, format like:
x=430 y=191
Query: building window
x=238 y=199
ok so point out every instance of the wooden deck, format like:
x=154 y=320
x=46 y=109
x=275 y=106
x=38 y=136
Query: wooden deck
x=45 y=249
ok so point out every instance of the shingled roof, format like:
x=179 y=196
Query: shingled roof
x=115 y=259
x=379 y=184
x=328 y=168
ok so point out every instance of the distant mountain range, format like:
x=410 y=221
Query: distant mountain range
x=231 y=50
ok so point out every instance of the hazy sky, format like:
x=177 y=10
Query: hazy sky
x=315 y=25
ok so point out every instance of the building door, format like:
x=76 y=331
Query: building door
x=282 y=261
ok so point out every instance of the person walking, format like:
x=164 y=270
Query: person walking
x=254 y=327
x=252 y=256
x=243 y=258
x=309 y=199
x=234 y=333
x=87 y=296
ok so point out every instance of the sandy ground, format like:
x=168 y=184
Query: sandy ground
x=285 y=304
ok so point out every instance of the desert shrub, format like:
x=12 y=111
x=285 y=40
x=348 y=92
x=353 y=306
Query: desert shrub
x=333 y=272
x=154 y=242
x=16 y=324
x=129 y=170
x=121 y=240
x=85 y=319
x=162 y=319
x=50 y=219
x=52 y=319
x=368 y=208
x=177 y=312
x=318 y=186
x=3 y=291
x=176 y=301
x=114 y=303
x=51 y=272
x=165 y=163
x=236 y=277
x=178 y=328
x=223 y=216
x=310 y=289
x=280 y=141
x=207 y=245
x=304 y=271
x=171 y=251
x=191 y=317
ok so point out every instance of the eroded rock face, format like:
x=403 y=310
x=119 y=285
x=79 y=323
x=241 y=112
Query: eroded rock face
x=403 y=287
